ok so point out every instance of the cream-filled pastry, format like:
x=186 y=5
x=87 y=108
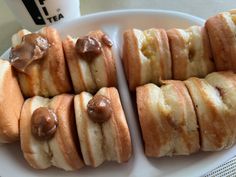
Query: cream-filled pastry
x=168 y=120
x=191 y=53
x=39 y=61
x=102 y=128
x=214 y=99
x=90 y=61
x=11 y=101
x=146 y=57
x=48 y=133
x=221 y=29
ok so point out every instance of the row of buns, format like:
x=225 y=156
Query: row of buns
x=183 y=117
x=190 y=112
x=153 y=55
x=67 y=131
x=80 y=138
x=47 y=66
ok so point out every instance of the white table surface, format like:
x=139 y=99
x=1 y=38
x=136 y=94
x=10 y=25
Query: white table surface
x=200 y=8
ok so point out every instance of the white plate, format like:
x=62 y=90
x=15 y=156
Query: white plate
x=114 y=23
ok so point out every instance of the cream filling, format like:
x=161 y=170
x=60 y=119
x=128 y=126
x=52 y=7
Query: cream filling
x=98 y=69
x=146 y=73
x=197 y=64
x=110 y=139
x=57 y=157
x=152 y=49
x=90 y=133
x=46 y=153
x=160 y=111
x=39 y=149
x=98 y=141
x=86 y=74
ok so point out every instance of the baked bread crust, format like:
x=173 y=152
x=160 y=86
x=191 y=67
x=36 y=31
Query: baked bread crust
x=167 y=130
x=62 y=150
x=10 y=104
x=48 y=76
x=214 y=100
x=109 y=141
x=90 y=75
x=191 y=53
x=222 y=30
x=146 y=57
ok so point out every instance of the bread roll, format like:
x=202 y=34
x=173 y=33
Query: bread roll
x=44 y=76
x=62 y=149
x=105 y=141
x=146 y=57
x=10 y=104
x=90 y=73
x=168 y=120
x=214 y=101
x=221 y=29
x=191 y=53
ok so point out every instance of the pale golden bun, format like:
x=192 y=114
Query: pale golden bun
x=62 y=150
x=191 y=52
x=215 y=100
x=221 y=29
x=109 y=141
x=11 y=101
x=92 y=75
x=146 y=57
x=48 y=76
x=181 y=117
x=168 y=120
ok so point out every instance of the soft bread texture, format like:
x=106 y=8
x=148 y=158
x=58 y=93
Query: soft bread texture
x=146 y=57
x=168 y=120
x=215 y=100
x=172 y=115
x=47 y=76
x=222 y=30
x=11 y=101
x=191 y=53
x=90 y=75
x=109 y=141
x=62 y=150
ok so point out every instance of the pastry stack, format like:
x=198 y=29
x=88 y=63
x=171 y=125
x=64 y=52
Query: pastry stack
x=54 y=126
x=153 y=55
x=184 y=112
x=183 y=117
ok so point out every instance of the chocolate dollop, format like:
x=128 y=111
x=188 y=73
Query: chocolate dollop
x=99 y=109
x=44 y=123
x=33 y=47
x=88 y=47
x=106 y=40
